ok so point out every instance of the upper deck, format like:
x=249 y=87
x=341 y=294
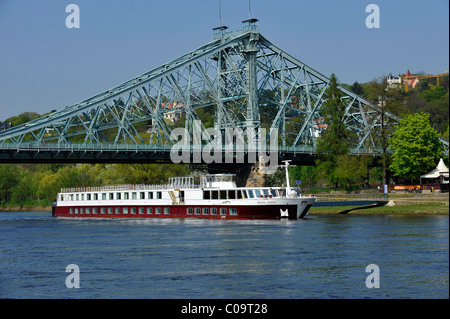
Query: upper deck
x=223 y=181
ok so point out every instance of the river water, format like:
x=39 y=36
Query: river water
x=323 y=256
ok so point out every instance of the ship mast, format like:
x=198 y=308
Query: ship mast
x=288 y=186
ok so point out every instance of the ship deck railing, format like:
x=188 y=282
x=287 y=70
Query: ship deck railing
x=127 y=187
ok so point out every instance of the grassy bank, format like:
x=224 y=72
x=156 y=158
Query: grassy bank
x=26 y=209
x=413 y=209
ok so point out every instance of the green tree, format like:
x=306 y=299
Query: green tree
x=23 y=118
x=351 y=170
x=334 y=142
x=357 y=88
x=143 y=173
x=433 y=93
x=26 y=188
x=445 y=135
x=439 y=112
x=49 y=186
x=305 y=174
x=387 y=99
x=416 y=146
x=9 y=176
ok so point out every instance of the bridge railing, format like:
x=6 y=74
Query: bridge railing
x=82 y=147
x=111 y=147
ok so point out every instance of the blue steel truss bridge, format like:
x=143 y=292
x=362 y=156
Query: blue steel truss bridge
x=238 y=81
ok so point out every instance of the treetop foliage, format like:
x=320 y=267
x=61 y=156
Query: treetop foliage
x=417 y=146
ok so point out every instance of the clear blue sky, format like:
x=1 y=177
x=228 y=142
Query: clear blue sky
x=45 y=66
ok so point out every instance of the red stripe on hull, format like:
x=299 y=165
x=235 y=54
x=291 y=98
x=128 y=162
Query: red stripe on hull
x=177 y=211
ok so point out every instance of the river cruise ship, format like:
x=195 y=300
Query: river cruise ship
x=216 y=197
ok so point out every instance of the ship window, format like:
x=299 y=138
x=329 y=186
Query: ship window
x=71 y=196
x=104 y=196
x=88 y=210
x=213 y=211
x=223 y=194
x=189 y=210
x=150 y=195
x=133 y=195
x=274 y=192
x=232 y=194
x=197 y=210
x=223 y=211
x=233 y=211
x=250 y=193
x=126 y=195
x=78 y=197
x=62 y=198
x=266 y=193
x=258 y=193
x=94 y=210
x=215 y=194
x=81 y=210
x=206 y=195
x=239 y=194
x=71 y=211
x=125 y=210
x=82 y=196
x=205 y=211
x=141 y=210
x=118 y=195
x=95 y=196
x=76 y=210
x=158 y=210
x=166 y=210
x=158 y=195
x=133 y=210
x=102 y=210
x=149 y=211
x=110 y=210
x=111 y=196
x=117 y=210
x=88 y=196
x=142 y=195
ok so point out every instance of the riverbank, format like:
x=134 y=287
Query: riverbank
x=26 y=209
x=399 y=204
x=405 y=209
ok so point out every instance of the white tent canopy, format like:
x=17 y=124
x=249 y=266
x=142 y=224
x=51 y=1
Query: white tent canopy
x=440 y=170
